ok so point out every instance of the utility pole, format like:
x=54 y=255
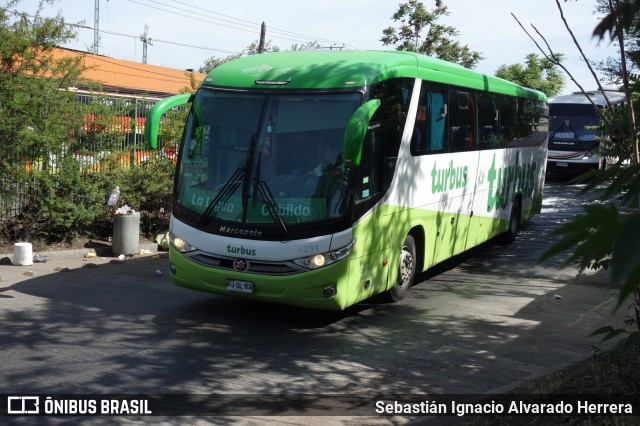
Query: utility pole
x=263 y=32
x=96 y=24
x=145 y=41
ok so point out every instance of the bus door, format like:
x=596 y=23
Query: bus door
x=375 y=254
x=453 y=175
x=489 y=131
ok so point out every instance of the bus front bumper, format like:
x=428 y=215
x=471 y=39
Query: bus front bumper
x=322 y=288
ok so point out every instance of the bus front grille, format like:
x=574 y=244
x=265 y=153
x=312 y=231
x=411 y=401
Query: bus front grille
x=266 y=268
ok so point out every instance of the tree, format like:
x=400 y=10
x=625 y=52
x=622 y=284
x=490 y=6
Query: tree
x=606 y=236
x=34 y=100
x=42 y=127
x=213 y=62
x=612 y=67
x=311 y=45
x=614 y=7
x=420 y=32
x=539 y=73
x=620 y=17
x=252 y=49
x=622 y=71
x=36 y=115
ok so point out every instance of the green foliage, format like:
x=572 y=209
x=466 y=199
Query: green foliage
x=608 y=333
x=98 y=125
x=213 y=62
x=538 y=73
x=628 y=23
x=60 y=204
x=36 y=113
x=44 y=132
x=148 y=188
x=171 y=128
x=439 y=40
x=311 y=45
x=623 y=18
x=615 y=138
x=252 y=49
x=605 y=237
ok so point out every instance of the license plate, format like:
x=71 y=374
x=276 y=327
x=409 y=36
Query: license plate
x=560 y=164
x=240 y=286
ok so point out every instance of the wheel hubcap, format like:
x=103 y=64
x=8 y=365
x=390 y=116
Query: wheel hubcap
x=406 y=267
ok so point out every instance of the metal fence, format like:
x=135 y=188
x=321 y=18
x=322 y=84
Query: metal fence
x=125 y=131
x=120 y=144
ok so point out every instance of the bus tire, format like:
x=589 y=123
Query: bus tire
x=514 y=223
x=406 y=271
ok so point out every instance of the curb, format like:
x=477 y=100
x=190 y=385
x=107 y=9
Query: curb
x=599 y=277
x=104 y=251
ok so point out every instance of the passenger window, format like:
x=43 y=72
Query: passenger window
x=487 y=121
x=508 y=119
x=462 y=121
x=430 y=130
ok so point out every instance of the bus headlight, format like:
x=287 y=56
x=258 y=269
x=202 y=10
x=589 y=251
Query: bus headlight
x=323 y=259
x=587 y=155
x=180 y=244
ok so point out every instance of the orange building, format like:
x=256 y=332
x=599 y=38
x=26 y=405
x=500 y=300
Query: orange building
x=120 y=77
x=140 y=85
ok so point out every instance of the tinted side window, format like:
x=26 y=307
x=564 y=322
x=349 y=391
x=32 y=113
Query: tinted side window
x=395 y=96
x=508 y=119
x=487 y=121
x=462 y=121
x=382 y=142
x=430 y=130
x=532 y=123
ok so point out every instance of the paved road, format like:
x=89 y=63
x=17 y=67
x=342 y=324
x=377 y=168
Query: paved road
x=482 y=323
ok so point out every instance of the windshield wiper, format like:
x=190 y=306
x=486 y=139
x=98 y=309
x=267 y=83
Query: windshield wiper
x=240 y=176
x=256 y=180
x=225 y=192
x=245 y=182
x=260 y=187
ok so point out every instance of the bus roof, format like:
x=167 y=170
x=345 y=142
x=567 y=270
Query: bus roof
x=596 y=96
x=349 y=69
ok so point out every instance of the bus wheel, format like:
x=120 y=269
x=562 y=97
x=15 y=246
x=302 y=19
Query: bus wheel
x=406 y=271
x=514 y=223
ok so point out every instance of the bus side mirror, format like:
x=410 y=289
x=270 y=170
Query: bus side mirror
x=356 y=130
x=152 y=124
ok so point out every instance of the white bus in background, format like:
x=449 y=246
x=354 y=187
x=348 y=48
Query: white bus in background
x=574 y=142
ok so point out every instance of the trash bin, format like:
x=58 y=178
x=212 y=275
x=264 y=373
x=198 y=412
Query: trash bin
x=126 y=234
x=22 y=254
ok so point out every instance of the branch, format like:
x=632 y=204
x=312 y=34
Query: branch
x=595 y=77
x=553 y=58
x=627 y=92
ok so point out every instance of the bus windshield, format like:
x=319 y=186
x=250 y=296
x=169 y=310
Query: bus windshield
x=264 y=158
x=573 y=125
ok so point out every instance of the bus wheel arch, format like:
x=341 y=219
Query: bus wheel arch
x=419 y=239
x=515 y=220
x=409 y=263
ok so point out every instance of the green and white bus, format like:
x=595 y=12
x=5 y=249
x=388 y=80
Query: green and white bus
x=320 y=179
